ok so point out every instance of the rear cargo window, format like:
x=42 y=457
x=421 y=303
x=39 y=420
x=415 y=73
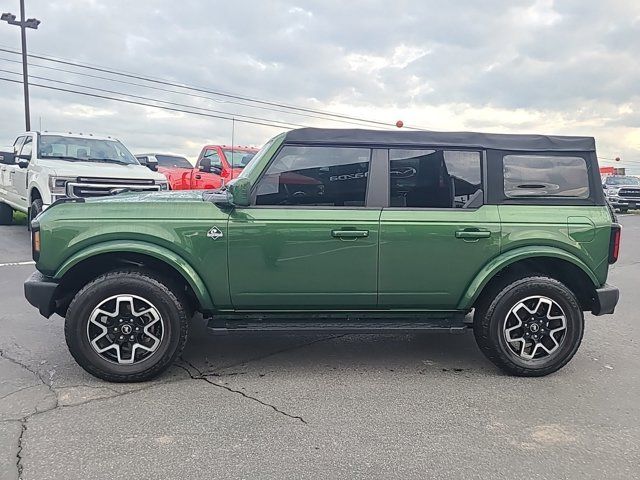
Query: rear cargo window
x=545 y=176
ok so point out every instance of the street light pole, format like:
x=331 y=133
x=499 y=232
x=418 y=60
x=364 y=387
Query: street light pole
x=23 y=24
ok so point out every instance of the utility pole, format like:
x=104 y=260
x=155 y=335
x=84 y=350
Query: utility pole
x=23 y=24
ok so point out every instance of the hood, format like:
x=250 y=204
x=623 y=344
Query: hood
x=63 y=168
x=151 y=197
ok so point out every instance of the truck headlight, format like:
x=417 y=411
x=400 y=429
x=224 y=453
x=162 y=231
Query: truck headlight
x=58 y=185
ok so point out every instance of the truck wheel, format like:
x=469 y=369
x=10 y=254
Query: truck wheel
x=34 y=211
x=6 y=214
x=126 y=326
x=530 y=328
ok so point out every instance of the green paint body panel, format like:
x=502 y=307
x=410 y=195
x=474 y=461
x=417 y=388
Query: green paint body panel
x=300 y=259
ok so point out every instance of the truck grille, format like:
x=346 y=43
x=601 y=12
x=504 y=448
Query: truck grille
x=629 y=192
x=103 y=187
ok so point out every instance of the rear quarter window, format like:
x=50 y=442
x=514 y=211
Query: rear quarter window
x=545 y=176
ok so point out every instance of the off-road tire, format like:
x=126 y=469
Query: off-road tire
x=34 y=210
x=493 y=309
x=169 y=302
x=6 y=214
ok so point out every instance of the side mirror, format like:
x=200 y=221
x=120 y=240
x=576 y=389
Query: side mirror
x=205 y=165
x=222 y=198
x=22 y=161
x=151 y=163
x=240 y=190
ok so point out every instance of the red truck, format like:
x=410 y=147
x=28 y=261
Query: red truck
x=216 y=165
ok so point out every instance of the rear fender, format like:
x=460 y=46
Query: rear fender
x=502 y=261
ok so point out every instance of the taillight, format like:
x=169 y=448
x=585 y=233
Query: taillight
x=614 y=243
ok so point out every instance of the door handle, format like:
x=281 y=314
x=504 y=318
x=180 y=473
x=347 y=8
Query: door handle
x=472 y=234
x=349 y=233
x=198 y=177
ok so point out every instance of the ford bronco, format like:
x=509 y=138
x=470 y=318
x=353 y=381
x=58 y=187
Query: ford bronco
x=342 y=230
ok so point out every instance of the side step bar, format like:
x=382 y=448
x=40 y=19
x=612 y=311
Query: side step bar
x=221 y=326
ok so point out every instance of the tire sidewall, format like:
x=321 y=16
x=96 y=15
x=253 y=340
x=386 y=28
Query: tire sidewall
x=559 y=294
x=105 y=287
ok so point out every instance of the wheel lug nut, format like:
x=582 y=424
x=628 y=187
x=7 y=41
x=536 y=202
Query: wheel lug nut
x=131 y=337
x=121 y=337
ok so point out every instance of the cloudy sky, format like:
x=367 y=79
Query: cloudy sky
x=536 y=66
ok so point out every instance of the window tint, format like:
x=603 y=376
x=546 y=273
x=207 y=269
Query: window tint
x=322 y=176
x=17 y=145
x=27 y=147
x=173 y=161
x=435 y=179
x=545 y=176
x=214 y=156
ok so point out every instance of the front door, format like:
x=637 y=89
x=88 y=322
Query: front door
x=308 y=241
x=436 y=234
x=20 y=177
x=208 y=180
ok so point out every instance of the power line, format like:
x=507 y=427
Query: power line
x=193 y=95
x=114 y=92
x=203 y=90
x=133 y=102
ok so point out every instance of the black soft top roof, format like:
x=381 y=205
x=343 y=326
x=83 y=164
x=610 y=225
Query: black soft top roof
x=494 y=141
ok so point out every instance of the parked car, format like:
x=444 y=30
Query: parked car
x=50 y=166
x=176 y=168
x=622 y=191
x=218 y=164
x=342 y=230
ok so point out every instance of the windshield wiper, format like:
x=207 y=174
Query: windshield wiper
x=59 y=157
x=107 y=160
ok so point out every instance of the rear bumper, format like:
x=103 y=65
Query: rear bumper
x=606 y=300
x=39 y=292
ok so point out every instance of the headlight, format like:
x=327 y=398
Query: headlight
x=58 y=185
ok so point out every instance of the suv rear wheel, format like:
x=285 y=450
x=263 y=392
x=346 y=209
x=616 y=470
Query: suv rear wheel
x=531 y=327
x=126 y=326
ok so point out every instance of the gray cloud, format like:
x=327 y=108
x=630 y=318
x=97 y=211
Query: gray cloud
x=572 y=66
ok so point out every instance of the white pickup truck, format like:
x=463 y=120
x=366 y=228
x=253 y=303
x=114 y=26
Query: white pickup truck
x=41 y=168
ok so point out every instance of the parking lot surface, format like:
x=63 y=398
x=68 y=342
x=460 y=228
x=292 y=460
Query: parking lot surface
x=323 y=406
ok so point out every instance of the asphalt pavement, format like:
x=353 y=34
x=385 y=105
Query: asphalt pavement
x=323 y=406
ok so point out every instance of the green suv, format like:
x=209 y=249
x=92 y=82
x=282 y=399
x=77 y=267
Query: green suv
x=342 y=230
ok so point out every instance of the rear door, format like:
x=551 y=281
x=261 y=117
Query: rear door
x=437 y=233
x=310 y=239
x=8 y=188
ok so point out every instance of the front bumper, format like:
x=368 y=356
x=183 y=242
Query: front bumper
x=622 y=202
x=606 y=300
x=39 y=292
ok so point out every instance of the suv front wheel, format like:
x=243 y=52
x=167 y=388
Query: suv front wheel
x=126 y=326
x=532 y=327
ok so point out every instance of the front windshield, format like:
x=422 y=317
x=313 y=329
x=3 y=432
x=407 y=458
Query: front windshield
x=622 y=181
x=84 y=149
x=238 y=158
x=173 y=161
x=256 y=158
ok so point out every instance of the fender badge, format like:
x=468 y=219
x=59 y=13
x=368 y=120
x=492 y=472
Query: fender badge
x=215 y=233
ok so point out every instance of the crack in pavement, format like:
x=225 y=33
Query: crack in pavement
x=19 y=465
x=270 y=354
x=201 y=376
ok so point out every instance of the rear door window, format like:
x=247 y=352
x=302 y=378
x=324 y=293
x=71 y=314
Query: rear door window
x=435 y=179
x=545 y=176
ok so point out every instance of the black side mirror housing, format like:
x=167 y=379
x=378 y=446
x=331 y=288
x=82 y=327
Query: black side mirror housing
x=152 y=164
x=205 y=165
x=22 y=161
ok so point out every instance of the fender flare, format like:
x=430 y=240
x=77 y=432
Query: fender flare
x=163 y=254
x=507 y=258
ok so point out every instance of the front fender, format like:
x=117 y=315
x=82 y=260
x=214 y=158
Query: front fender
x=504 y=260
x=161 y=253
